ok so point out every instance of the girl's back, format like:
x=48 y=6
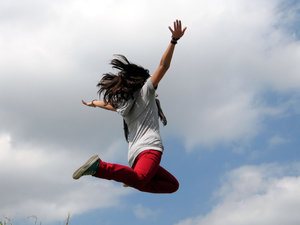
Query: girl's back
x=141 y=117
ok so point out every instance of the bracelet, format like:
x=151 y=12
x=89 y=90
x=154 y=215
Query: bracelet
x=174 y=40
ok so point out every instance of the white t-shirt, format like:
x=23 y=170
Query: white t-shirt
x=141 y=117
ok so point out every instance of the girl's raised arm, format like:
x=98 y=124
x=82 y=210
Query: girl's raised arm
x=177 y=33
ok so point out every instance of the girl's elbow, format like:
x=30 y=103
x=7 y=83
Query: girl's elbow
x=164 y=67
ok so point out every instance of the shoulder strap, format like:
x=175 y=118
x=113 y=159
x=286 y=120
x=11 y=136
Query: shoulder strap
x=125 y=127
x=161 y=114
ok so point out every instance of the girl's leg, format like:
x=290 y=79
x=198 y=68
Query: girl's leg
x=162 y=182
x=146 y=174
x=144 y=168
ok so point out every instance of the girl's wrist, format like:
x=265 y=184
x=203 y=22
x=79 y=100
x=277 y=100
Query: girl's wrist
x=174 y=40
x=93 y=105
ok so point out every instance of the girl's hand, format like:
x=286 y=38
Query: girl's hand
x=91 y=104
x=177 y=31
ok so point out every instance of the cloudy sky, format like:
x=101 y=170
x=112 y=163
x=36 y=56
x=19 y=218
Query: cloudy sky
x=231 y=97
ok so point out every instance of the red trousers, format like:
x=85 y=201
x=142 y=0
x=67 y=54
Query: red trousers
x=145 y=175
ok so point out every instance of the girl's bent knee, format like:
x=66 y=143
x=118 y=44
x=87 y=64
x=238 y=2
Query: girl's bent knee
x=175 y=187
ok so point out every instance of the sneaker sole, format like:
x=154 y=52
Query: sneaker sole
x=81 y=170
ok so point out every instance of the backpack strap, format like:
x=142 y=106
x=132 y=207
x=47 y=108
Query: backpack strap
x=161 y=114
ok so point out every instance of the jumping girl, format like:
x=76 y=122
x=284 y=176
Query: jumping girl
x=131 y=93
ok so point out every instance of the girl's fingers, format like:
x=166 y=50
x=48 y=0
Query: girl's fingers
x=177 y=28
x=177 y=25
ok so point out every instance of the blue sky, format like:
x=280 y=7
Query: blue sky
x=231 y=97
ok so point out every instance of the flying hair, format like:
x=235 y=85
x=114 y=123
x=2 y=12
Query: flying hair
x=121 y=86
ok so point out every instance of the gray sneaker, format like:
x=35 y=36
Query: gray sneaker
x=89 y=168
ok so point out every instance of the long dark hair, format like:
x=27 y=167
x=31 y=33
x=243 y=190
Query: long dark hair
x=122 y=85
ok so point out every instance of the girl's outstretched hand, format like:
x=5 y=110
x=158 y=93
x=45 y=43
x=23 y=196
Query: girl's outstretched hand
x=177 y=31
x=100 y=104
x=91 y=104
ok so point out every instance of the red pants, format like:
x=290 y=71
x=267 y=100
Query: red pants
x=145 y=175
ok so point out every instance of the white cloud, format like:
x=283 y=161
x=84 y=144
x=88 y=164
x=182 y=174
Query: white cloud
x=232 y=54
x=36 y=181
x=277 y=140
x=142 y=212
x=262 y=195
x=53 y=53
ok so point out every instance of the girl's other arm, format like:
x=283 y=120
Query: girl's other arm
x=100 y=104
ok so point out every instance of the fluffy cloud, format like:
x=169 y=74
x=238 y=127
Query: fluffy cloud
x=54 y=52
x=143 y=213
x=37 y=181
x=262 y=195
x=234 y=53
x=277 y=140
